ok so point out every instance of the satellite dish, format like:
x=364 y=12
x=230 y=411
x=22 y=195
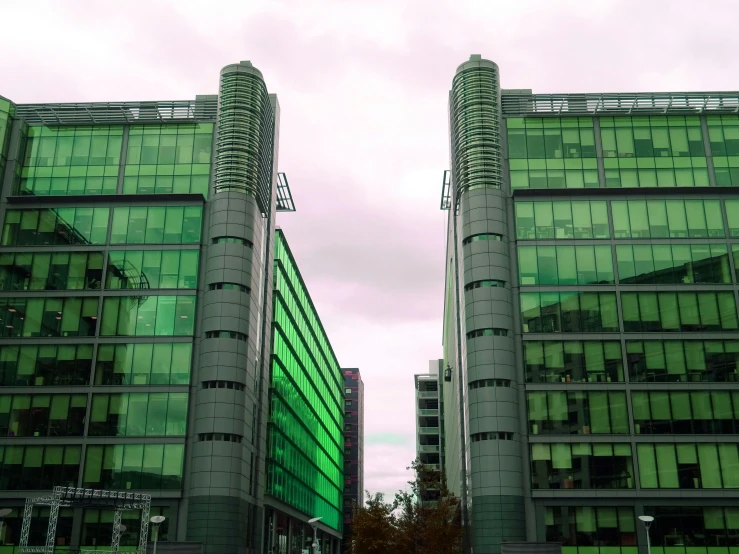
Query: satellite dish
x=158 y=519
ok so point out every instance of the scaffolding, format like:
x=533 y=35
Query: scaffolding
x=72 y=497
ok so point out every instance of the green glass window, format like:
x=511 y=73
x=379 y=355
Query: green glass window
x=138 y=414
x=614 y=529
x=723 y=132
x=42 y=415
x=143 y=364
x=573 y=361
x=157 y=225
x=152 y=269
x=44 y=365
x=561 y=412
x=672 y=264
x=165 y=159
x=561 y=220
x=688 y=465
x=552 y=153
x=688 y=412
x=71 y=160
x=565 y=265
x=693 y=525
x=57 y=226
x=47 y=271
x=653 y=151
x=97 y=527
x=675 y=360
x=39 y=467
x=563 y=312
x=48 y=317
x=134 y=466
x=678 y=311
x=667 y=219
x=581 y=466
x=148 y=316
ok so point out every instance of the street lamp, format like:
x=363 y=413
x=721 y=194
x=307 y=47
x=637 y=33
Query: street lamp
x=314 y=523
x=156 y=520
x=3 y=513
x=647 y=521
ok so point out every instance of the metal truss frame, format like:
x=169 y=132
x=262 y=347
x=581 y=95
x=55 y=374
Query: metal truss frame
x=71 y=497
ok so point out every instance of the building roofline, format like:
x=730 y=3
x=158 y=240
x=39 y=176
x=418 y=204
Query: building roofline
x=520 y=103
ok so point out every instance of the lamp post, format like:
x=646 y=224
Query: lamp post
x=647 y=521
x=4 y=512
x=314 y=523
x=156 y=520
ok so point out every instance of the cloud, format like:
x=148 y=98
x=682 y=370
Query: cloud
x=363 y=89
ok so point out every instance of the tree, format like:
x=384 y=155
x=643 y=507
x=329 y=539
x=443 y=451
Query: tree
x=422 y=520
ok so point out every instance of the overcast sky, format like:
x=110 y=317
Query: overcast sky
x=363 y=137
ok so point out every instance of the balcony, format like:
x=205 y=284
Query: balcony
x=428 y=412
x=428 y=447
x=427 y=394
x=428 y=430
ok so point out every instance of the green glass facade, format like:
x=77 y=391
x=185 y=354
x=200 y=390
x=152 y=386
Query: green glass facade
x=135 y=330
x=617 y=320
x=306 y=430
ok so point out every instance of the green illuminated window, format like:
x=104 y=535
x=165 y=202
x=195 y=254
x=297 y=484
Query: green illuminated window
x=565 y=265
x=44 y=365
x=723 y=132
x=573 y=361
x=688 y=466
x=673 y=264
x=653 y=151
x=678 y=311
x=143 y=364
x=581 y=466
x=134 y=466
x=71 y=160
x=48 y=317
x=42 y=415
x=166 y=159
x=562 y=220
x=667 y=219
x=578 y=528
x=152 y=269
x=39 y=467
x=148 y=316
x=157 y=225
x=732 y=216
x=47 y=271
x=584 y=413
x=57 y=226
x=7 y=111
x=138 y=414
x=552 y=153
x=685 y=412
x=676 y=360
x=569 y=312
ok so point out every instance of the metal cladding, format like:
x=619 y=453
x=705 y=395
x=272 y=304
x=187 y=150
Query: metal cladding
x=475 y=122
x=245 y=134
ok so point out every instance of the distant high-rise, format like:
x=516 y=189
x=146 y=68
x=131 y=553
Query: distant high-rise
x=354 y=446
x=429 y=435
x=591 y=317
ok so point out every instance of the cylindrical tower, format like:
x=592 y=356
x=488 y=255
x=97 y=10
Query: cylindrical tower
x=485 y=311
x=227 y=447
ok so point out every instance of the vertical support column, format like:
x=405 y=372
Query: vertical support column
x=26 y=527
x=53 y=517
x=144 y=531
x=115 y=541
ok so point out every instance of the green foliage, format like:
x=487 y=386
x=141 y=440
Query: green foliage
x=422 y=520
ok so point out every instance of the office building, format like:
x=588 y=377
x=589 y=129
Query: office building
x=354 y=447
x=428 y=424
x=590 y=326
x=305 y=463
x=136 y=298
